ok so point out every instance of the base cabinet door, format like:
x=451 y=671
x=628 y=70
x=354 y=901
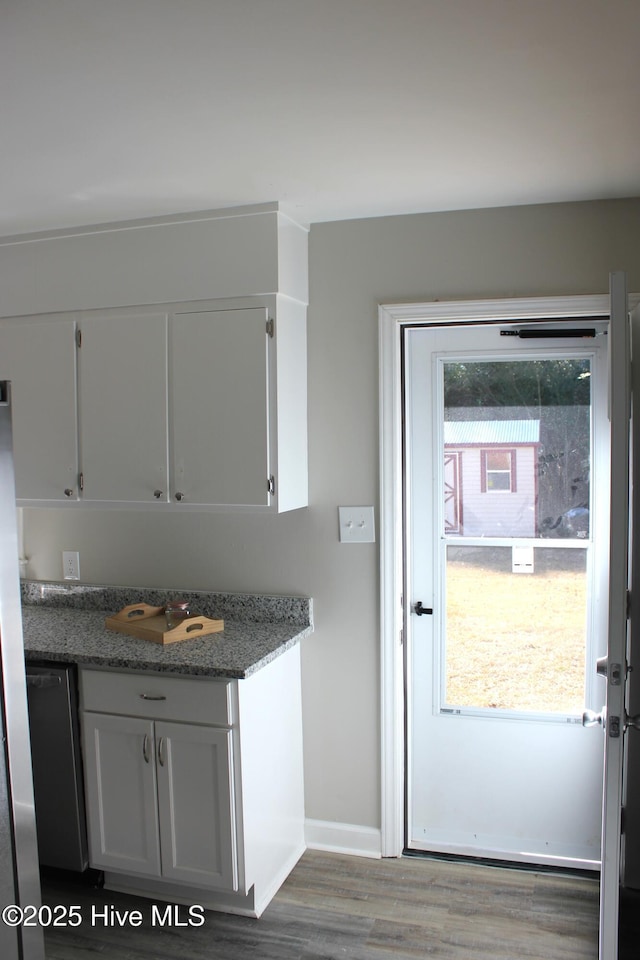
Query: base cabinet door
x=160 y=799
x=121 y=794
x=196 y=805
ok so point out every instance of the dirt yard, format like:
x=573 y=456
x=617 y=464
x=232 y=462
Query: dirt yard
x=516 y=641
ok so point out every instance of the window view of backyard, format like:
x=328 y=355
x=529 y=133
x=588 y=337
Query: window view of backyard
x=517 y=453
x=516 y=641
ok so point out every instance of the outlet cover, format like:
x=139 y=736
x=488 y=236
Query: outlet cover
x=356 y=525
x=71 y=564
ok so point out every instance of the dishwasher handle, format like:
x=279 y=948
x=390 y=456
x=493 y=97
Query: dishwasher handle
x=43 y=681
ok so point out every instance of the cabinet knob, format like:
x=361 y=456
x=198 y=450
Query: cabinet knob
x=68 y=492
x=179 y=496
x=157 y=494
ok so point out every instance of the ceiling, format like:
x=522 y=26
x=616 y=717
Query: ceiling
x=339 y=109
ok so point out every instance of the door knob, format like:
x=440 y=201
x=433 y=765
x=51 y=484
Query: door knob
x=420 y=610
x=633 y=722
x=591 y=719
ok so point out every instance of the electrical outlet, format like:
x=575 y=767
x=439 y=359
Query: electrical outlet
x=71 y=564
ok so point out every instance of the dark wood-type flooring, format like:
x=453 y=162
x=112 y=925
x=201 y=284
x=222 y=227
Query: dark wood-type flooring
x=334 y=906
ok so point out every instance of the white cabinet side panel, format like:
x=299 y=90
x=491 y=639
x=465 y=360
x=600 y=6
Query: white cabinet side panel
x=293 y=259
x=291 y=345
x=272 y=771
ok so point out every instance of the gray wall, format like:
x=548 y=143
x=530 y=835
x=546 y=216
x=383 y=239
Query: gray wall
x=354 y=265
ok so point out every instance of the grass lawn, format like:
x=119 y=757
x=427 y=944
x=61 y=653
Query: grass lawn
x=515 y=641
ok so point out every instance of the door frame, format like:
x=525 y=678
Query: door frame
x=392 y=319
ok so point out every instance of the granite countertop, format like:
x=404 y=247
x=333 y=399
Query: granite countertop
x=65 y=623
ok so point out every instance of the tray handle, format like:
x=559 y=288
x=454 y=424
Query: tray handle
x=138 y=611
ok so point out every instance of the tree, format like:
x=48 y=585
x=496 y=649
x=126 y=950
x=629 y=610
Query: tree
x=509 y=383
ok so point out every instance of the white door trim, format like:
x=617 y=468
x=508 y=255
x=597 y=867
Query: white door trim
x=392 y=318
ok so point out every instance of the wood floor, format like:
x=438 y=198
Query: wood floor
x=334 y=906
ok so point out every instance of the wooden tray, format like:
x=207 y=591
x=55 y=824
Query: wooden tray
x=148 y=623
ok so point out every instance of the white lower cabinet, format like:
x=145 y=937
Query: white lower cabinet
x=196 y=805
x=194 y=787
x=161 y=799
x=121 y=793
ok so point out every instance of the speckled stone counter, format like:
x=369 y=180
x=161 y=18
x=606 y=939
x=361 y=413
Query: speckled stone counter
x=65 y=623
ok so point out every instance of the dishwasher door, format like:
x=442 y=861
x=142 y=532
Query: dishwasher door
x=57 y=766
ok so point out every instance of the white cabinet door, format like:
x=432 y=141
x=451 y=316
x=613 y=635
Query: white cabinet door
x=121 y=794
x=219 y=407
x=39 y=357
x=196 y=805
x=204 y=408
x=123 y=407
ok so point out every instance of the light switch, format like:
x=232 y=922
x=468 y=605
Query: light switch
x=356 y=525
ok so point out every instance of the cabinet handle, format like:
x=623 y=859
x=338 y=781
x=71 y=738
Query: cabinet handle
x=68 y=492
x=152 y=696
x=157 y=494
x=145 y=748
x=161 y=751
x=179 y=496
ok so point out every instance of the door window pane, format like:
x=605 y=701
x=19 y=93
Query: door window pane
x=522 y=428
x=515 y=641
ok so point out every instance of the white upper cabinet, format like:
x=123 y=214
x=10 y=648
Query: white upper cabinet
x=219 y=412
x=191 y=406
x=39 y=358
x=196 y=396
x=122 y=409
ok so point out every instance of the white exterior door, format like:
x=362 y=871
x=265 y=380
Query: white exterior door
x=614 y=717
x=506 y=575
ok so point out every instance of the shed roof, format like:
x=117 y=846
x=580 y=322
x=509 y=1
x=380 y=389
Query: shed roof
x=481 y=432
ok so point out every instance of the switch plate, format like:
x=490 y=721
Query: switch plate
x=71 y=564
x=356 y=525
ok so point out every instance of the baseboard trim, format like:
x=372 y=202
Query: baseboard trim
x=264 y=896
x=348 y=838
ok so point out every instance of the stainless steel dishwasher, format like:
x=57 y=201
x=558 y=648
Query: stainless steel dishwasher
x=57 y=766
